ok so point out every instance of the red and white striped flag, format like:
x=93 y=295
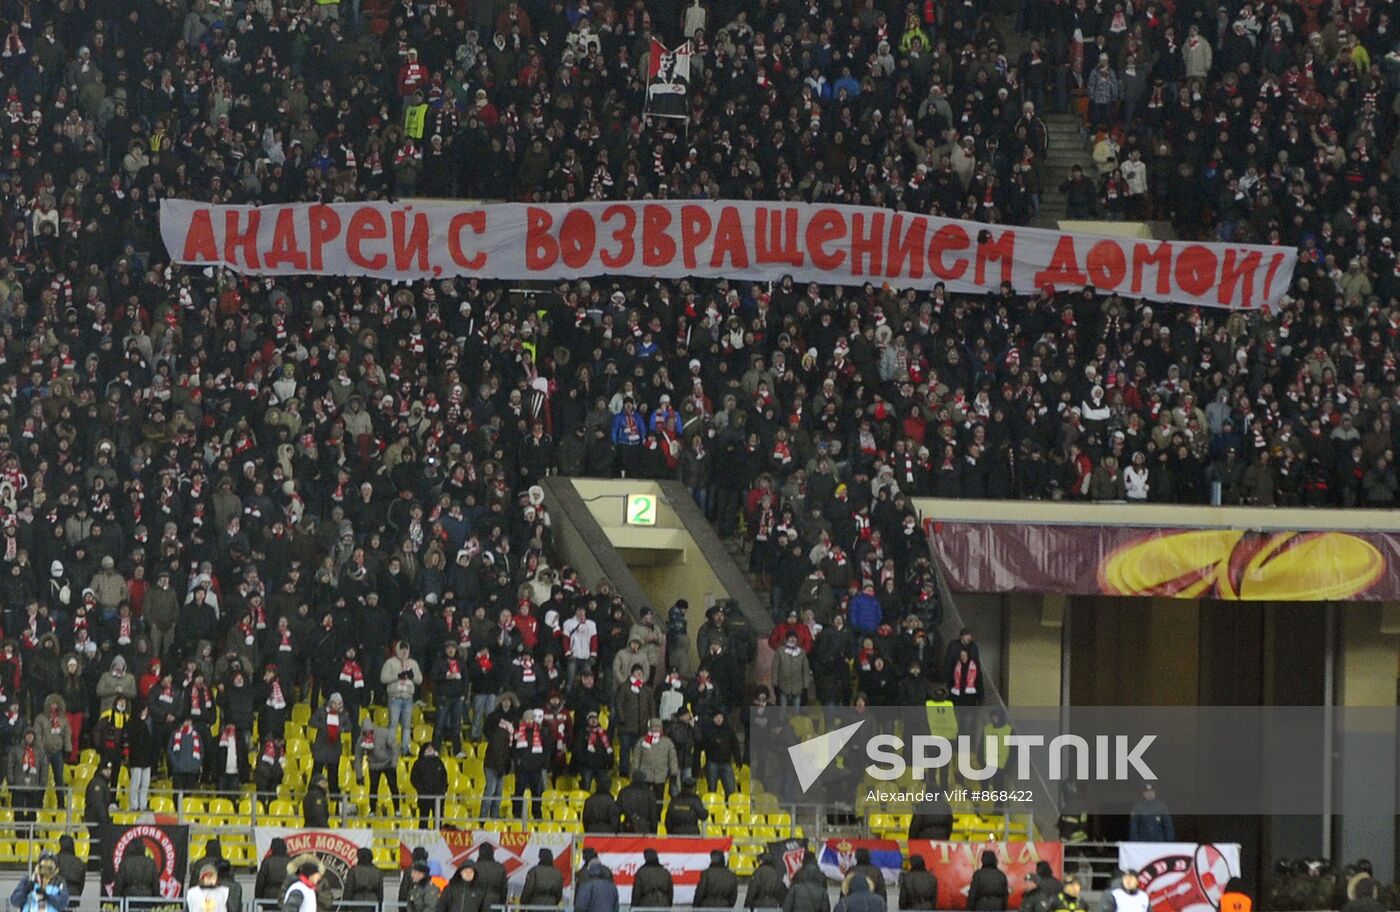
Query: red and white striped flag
x=684 y=857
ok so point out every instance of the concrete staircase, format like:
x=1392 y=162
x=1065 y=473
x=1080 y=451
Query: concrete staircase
x=1068 y=145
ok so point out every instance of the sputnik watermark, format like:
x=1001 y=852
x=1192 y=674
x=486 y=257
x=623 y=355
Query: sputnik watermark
x=1106 y=759
x=1112 y=757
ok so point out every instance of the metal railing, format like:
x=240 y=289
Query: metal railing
x=1095 y=863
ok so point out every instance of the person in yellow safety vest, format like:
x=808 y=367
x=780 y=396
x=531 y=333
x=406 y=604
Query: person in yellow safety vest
x=1068 y=900
x=415 y=116
x=943 y=722
x=1000 y=729
x=1073 y=822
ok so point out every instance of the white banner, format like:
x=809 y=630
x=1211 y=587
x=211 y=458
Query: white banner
x=1182 y=876
x=518 y=852
x=336 y=850
x=684 y=856
x=839 y=245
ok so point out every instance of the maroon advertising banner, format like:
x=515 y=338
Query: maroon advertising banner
x=1229 y=564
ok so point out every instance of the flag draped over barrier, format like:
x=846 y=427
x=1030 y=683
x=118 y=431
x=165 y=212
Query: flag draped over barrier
x=685 y=857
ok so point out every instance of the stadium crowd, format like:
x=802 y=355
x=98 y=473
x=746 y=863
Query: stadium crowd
x=223 y=495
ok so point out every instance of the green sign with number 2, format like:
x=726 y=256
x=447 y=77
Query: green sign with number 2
x=641 y=509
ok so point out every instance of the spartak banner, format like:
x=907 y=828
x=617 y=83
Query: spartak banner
x=747 y=241
x=1182 y=876
x=953 y=863
x=1225 y=564
x=336 y=850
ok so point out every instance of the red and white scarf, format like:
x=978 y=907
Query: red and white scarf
x=200 y=701
x=598 y=740
x=274 y=696
x=533 y=732
x=187 y=731
x=527 y=669
x=650 y=739
x=350 y=673
x=965 y=678
x=30 y=761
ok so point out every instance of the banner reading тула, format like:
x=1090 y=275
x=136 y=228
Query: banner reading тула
x=748 y=241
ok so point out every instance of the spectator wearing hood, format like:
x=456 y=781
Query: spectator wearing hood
x=491 y=875
x=544 y=883
x=597 y=892
x=918 y=888
x=116 y=681
x=808 y=891
x=652 y=885
x=989 y=891
x=272 y=871
x=766 y=887
x=865 y=869
x=860 y=898
x=72 y=868
x=718 y=887
x=55 y=735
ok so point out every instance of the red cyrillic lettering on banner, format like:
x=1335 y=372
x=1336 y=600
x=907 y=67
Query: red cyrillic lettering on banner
x=948 y=239
x=286 y=246
x=1064 y=267
x=367 y=224
x=627 y=244
x=1145 y=255
x=827 y=225
x=1238 y=267
x=325 y=227
x=541 y=250
x=1106 y=265
x=906 y=247
x=247 y=239
x=1273 y=270
x=695 y=230
x=996 y=249
x=410 y=243
x=729 y=240
x=1195 y=270
x=199 y=239
x=578 y=237
x=776 y=238
x=658 y=247
x=869 y=246
x=476 y=221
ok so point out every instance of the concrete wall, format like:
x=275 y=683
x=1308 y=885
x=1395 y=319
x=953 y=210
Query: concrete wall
x=664 y=558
